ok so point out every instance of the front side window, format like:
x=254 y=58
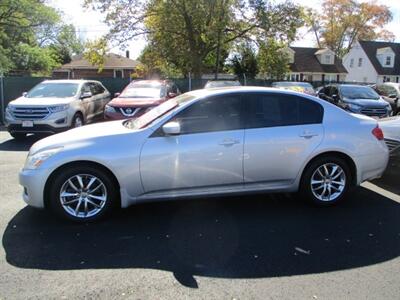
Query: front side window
x=216 y=113
x=273 y=110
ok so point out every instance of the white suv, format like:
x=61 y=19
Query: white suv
x=56 y=105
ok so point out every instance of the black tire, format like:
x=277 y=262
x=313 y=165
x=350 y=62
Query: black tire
x=18 y=135
x=60 y=178
x=305 y=190
x=77 y=118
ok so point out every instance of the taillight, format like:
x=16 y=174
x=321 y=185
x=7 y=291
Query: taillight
x=378 y=133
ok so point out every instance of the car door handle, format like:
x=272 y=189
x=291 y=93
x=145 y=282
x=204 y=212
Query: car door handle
x=308 y=134
x=229 y=142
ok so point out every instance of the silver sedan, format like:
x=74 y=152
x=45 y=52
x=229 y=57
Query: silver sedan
x=206 y=142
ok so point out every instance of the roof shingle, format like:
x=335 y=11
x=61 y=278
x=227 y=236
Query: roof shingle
x=112 y=61
x=370 y=48
x=305 y=60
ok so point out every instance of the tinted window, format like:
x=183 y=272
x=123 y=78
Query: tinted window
x=211 y=114
x=386 y=90
x=86 y=88
x=270 y=110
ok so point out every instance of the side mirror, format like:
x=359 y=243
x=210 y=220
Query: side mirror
x=117 y=95
x=321 y=95
x=86 y=95
x=172 y=128
x=171 y=95
x=24 y=94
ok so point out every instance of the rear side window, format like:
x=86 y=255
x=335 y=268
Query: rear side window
x=272 y=110
x=217 y=113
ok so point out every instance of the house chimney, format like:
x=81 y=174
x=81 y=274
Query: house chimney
x=127 y=53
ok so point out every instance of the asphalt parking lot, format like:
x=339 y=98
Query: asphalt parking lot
x=254 y=247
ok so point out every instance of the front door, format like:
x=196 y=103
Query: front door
x=281 y=132
x=207 y=153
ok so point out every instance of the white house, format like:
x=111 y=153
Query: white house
x=373 y=62
x=315 y=64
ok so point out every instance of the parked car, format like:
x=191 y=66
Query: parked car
x=194 y=145
x=357 y=99
x=139 y=97
x=391 y=129
x=390 y=92
x=56 y=105
x=221 y=83
x=302 y=87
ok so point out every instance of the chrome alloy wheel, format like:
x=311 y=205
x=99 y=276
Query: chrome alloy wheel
x=83 y=195
x=328 y=182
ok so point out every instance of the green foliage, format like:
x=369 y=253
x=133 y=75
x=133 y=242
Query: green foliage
x=197 y=36
x=32 y=38
x=244 y=61
x=95 y=52
x=273 y=59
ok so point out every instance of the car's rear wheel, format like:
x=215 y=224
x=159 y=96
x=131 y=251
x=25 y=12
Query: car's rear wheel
x=82 y=194
x=326 y=181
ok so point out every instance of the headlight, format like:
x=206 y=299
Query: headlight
x=109 y=109
x=353 y=106
x=34 y=161
x=58 y=108
x=10 y=107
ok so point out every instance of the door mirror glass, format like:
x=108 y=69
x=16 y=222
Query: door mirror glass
x=172 y=128
x=86 y=95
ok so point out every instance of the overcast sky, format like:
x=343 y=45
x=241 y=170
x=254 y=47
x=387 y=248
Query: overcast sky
x=90 y=24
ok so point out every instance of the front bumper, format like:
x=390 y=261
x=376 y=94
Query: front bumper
x=33 y=182
x=37 y=128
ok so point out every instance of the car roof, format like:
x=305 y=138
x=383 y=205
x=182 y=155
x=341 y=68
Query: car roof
x=234 y=89
x=151 y=81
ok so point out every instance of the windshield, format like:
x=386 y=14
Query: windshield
x=143 y=91
x=157 y=112
x=54 y=90
x=358 y=92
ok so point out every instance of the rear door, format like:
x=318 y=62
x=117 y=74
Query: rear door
x=281 y=132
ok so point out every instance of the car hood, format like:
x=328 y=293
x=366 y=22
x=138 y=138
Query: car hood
x=135 y=102
x=367 y=102
x=23 y=101
x=78 y=137
x=391 y=127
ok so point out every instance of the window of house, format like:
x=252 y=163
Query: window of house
x=327 y=59
x=388 y=60
x=118 y=74
x=270 y=110
x=360 y=62
x=352 y=63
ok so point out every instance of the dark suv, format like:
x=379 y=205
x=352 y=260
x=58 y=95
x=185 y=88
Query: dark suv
x=357 y=99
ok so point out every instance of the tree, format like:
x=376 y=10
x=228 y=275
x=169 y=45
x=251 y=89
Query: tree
x=20 y=20
x=244 y=61
x=342 y=22
x=191 y=35
x=273 y=59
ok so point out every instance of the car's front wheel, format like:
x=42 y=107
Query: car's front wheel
x=83 y=193
x=18 y=135
x=326 y=181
